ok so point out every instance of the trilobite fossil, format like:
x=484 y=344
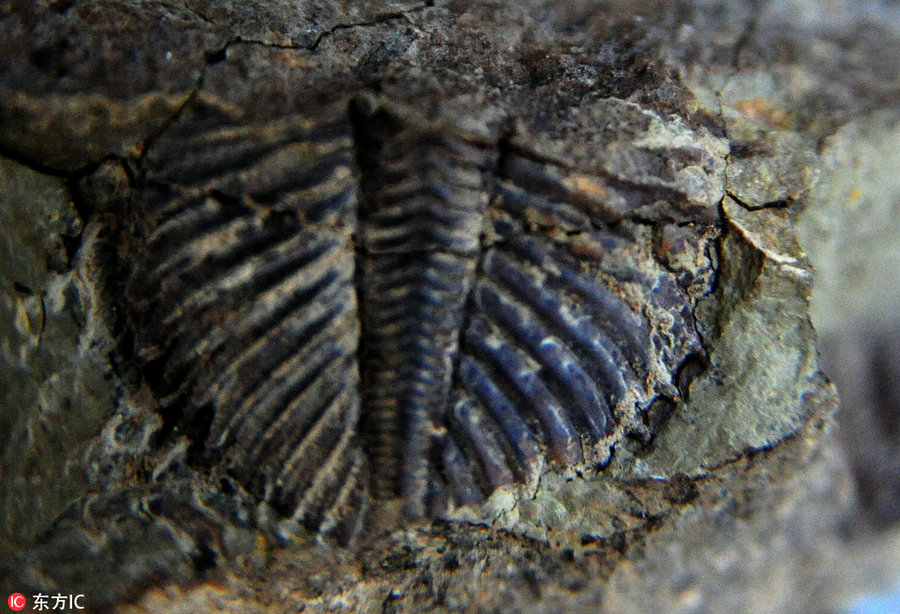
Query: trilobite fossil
x=376 y=279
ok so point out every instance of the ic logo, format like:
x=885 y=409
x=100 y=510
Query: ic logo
x=16 y=601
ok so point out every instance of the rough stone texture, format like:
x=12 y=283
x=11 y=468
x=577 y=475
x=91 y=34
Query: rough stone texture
x=56 y=383
x=741 y=501
x=763 y=364
x=63 y=75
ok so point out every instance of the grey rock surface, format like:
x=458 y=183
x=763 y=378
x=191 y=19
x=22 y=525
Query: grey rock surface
x=57 y=388
x=851 y=231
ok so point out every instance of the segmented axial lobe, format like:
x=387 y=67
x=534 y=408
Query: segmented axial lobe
x=424 y=192
x=370 y=300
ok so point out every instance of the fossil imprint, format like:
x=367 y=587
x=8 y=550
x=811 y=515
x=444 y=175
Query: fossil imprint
x=359 y=301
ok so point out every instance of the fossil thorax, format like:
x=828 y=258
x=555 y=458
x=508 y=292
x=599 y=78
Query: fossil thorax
x=392 y=275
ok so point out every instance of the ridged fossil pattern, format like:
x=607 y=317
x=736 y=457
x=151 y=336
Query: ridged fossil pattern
x=358 y=303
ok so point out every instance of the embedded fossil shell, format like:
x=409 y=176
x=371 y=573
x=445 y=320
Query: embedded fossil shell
x=355 y=300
